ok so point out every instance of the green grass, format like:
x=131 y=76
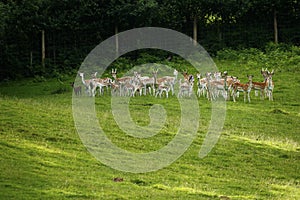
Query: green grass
x=256 y=157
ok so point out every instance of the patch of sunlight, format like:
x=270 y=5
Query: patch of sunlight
x=284 y=144
x=287 y=191
x=201 y=192
x=244 y=197
x=184 y=189
x=161 y=187
x=283 y=188
x=43 y=148
x=49 y=163
x=60 y=191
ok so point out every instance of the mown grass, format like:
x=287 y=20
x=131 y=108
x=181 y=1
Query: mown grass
x=256 y=157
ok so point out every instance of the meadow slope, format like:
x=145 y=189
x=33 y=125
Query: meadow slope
x=256 y=157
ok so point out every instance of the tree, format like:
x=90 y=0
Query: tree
x=131 y=14
x=194 y=10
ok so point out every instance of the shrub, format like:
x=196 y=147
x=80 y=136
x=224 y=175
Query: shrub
x=281 y=57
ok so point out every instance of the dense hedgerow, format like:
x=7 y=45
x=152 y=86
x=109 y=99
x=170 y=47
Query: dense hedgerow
x=273 y=56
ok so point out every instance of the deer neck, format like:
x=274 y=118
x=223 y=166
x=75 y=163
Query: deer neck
x=82 y=80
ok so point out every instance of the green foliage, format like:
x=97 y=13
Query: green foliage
x=146 y=57
x=62 y=89
x=280 y=57
x=38 y=79
x=73 y=27
x=122 y=64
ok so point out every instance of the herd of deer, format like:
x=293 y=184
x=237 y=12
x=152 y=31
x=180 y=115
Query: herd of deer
x=216 y=84
x=211 y=85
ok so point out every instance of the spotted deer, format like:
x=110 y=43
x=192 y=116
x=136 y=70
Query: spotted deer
x=245 y=88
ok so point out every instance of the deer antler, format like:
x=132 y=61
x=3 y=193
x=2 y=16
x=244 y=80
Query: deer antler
x=94 y=74
x=113 y=71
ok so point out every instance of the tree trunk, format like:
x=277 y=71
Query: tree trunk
x=195 y=30
x=219 y=32
x=54 y=47
x=54 y=54
x=43 y=49
x=275 y=27
x=117 y=40
x=31 y=58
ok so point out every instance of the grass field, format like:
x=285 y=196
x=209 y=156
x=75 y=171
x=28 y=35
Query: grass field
x=256 y=157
